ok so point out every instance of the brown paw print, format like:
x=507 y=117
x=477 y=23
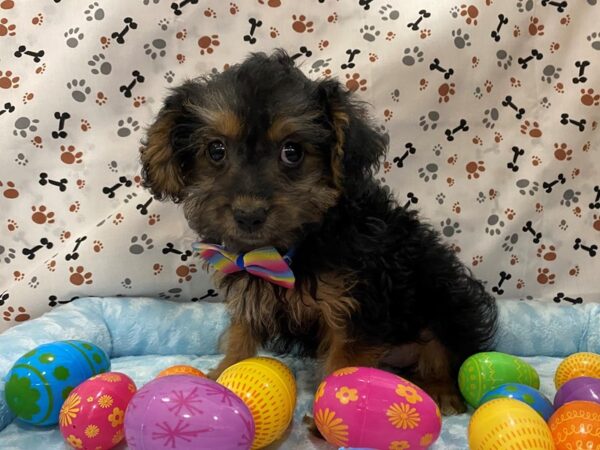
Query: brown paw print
x=477 y=140
x=51 y=265
x=27 y=97
x=210 y=13
x=233 y=9
x=516 y=31
x=7 y=4
x=545 y=276
x=98 y=246
x=474 y=168
x=327 y=73
x=488 y=86
x=470 y=14
x=565 y=20
x=387 y=167
x=185 y=271
x=41 y=215
x=532 y=129
x=18 y=275
x=474 y=62
x=12 y=225
x=323 y=44
x=7 y=29
x=37 y=142
x=10 y=191
x=560 y=88
x=535 y=27
x=549 y=254
x=206 y=43
x=596 y=224
x=423 y=83
x=588 y=98
x=574 y=271
x=515 y=82
x=271 y=3
x=390 y=36
x=510 y=213
x=300 y=25
x=101 y=99
x=7 y=80
x=520 y=284
x=153 y=219
x=354 y=82
x=445 y=91
x=477 y=260
x=74 y=207
x=157 y=268
x=68 y=155
x=79 y=276
x=332 y=18
x=554 y=47
x=181 y=35
x=138 y=101
x=118 y=218
x=577 y=211
x=38 y=19
x=273 y=32
x=41 y=69
x=514 y=259
x=21 y=316
x=80 y=183
x=453 y=159
x=65 y=236
x=561 y=152
x=85 y=125
x=425 y=33
x=450 y=181
x=373 y=57
x=492 y=194
x=498 y=137
x=388 y=114
x=456 y=209
x=536 y=161
x=539 y=208
x=181 y=58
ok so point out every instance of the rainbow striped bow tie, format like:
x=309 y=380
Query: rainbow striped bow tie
x=264 y=262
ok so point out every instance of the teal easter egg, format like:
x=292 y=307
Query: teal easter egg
x=41 y=380
x=482 y=372
x=523 y=393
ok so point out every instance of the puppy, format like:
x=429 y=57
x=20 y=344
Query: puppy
x=261 y=156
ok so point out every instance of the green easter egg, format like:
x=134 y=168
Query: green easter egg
x=482 y=372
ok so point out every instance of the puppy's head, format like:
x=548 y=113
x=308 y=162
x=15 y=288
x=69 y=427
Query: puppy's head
x=259 y=152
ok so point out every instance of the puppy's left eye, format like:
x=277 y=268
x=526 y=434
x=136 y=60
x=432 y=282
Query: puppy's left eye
x=291 y=154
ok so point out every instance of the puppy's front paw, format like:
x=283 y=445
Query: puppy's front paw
x=447 y=397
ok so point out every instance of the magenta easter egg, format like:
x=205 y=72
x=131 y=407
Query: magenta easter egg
x=92 y=415
x=187 y=413
x=581 y=388
x=371 y=408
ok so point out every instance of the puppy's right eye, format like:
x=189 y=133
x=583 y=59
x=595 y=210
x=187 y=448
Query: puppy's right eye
x=216 y=151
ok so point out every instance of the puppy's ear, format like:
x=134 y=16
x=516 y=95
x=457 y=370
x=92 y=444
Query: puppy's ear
x=168 y=149
x=358 y=148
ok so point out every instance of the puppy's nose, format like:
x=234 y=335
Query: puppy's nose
x=250 y=221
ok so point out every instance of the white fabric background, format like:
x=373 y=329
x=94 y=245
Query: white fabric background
x=463 y=186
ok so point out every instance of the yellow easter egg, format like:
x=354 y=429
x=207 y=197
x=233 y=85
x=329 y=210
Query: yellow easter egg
x=268 y=388
x=583 y=364
x=505 y=423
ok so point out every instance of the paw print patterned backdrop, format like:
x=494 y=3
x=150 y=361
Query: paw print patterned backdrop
x=491 y=108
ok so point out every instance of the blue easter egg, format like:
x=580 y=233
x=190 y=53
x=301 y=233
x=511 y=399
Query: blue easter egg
x=41 y=379
x=523 y=393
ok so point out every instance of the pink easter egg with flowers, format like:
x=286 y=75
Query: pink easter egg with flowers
x=92 y=416
x=371 y=408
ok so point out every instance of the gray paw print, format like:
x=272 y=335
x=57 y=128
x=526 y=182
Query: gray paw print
x=524 y=186
x=164 y=24
x=369 y=33
x=126 y=126
x=113 y=166
x=21 y=160
x=494 y=225
x=388 y=13
x=79 y=91
x=491 y=116
x=551 y=73
x=545 y=103
x=429 y=121
x=156 y=48
x=25 y=124
x=94 y=12
x=449 y=228
x=99 y=64
x=437 y=149
x=173 y=292
x=7 y=257
x=454 y=11
x=594 y=40
x=428 y=172
x=480 y=197
x=478 y=93
x=504 y=59
x=169 y=76
x=563 y=225
x=525 y=5
x=461 y=40
x=412 y=55
x=509 y=242
x=126 y=283
x=440 y=198
x=139 y=244
x=396 y=95
x=73 y=37
x=570 y=197
x=33 y=283
x=147 y=2
x=319 y=64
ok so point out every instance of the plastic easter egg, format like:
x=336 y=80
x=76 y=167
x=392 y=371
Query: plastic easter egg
x=523 y=393
x=482 y=372
x=582 y=388
x=582 y=364
x=41 y=380
x=187 y=412
x=268 y=388
x=505 y=423
x=181 y=370
x=576 y=425
x=371 y=408
x=92 y=415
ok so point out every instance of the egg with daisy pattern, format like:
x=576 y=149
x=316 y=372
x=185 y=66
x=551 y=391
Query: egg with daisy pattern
x=92 y=416
x=371 y=408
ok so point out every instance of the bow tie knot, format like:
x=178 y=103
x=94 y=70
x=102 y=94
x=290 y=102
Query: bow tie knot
x=266 y=263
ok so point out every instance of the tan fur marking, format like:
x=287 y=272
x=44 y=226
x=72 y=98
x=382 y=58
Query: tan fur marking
x=340 y=123
x=239 y=345
x=222 y=121
x=338 y=351
x=282 y=127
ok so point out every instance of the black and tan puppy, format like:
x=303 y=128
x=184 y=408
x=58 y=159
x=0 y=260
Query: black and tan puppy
x=260 y=155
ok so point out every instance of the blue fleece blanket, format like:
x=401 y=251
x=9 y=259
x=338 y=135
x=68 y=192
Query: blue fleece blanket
x=143 y=336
